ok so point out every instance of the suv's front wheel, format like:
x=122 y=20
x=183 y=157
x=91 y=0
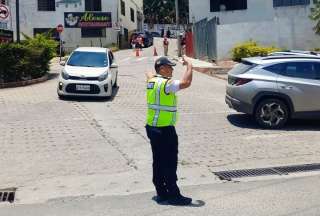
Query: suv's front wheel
x=271 y=113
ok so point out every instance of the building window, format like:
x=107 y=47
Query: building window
x=285 y=3
x=132 y=14
x=123 y=8
x=93 y=5
x=93 y=32
x=46 y=5
x=227 y=5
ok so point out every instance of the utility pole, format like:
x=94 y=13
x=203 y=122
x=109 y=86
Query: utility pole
x=18 y=20
x=178 y=29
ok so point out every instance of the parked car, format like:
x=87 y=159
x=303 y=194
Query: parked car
x=276 y=88
x=89 y=71
x=155 y=34
x=146 y=37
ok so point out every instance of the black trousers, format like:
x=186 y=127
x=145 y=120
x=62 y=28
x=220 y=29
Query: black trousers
x=164 y=144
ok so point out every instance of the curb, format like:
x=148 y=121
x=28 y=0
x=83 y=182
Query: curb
x=24 y=83
x=212 y=74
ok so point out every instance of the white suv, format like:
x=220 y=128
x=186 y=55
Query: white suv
x=89 y=71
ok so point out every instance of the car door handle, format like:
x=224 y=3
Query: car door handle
x=287 y=87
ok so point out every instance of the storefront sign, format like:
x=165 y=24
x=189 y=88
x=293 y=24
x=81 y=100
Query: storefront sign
x=87 y=19
x=6 y=36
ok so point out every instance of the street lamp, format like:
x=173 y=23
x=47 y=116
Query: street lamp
x=18 y=20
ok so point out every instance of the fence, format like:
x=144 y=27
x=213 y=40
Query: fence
x=205 y=39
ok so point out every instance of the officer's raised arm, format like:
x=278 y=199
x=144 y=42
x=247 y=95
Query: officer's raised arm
x=186 y=79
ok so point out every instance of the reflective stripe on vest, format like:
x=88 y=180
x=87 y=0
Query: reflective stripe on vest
x=162 y=110
x=156 y=117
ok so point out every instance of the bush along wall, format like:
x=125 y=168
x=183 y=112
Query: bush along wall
x=250 y=49
x=25 y=61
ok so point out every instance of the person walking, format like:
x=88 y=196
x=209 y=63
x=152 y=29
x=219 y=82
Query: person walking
x=168 y=33
x=160 y=128
x=165 y=46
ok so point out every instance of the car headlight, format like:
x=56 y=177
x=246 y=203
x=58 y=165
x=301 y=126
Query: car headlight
x=64 y=75
x=103 y=76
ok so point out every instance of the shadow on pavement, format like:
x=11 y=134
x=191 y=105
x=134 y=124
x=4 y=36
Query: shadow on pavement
x=92 y=99
x=247 y=121
x=194 y=204
x=52 y=76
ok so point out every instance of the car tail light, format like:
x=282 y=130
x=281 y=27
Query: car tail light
x=241 y=81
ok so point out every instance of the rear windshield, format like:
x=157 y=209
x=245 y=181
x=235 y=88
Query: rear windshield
x=88 y=59
x=242 y=68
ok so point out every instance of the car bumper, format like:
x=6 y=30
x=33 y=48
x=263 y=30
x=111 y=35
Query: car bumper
x=97 y=88
x=238 y=105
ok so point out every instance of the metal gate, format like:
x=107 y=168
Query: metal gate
x=205 y=39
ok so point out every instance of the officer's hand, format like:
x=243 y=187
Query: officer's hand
x=186 y=61
x=149 y=75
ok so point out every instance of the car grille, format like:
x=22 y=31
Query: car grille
x=83 y=78
x=94 y=89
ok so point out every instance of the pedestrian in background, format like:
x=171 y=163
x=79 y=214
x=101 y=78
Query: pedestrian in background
x=165 y=46
x=139 y=43
x=168 y=33
x=161 y=121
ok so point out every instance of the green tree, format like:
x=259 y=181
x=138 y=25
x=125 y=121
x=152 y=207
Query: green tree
x=315 y=15
x=163 y=11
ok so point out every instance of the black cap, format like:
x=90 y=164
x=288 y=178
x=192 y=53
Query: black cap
x=163 y=61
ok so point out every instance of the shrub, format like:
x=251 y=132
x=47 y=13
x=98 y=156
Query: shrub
x=42 y=41
x=250 y=49
x=28 y=60
x=113 y=47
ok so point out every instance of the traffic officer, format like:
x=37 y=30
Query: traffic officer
x=161 y=121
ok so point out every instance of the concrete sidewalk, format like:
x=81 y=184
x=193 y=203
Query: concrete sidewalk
x=208 y=68
x=276 y=197
x=218 y=70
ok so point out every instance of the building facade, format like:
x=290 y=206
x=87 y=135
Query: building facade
x=282 y=23
x=86 y=22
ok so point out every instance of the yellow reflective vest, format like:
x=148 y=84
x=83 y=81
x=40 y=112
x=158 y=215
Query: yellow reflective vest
x=162 y=107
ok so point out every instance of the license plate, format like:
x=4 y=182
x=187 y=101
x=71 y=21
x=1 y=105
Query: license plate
x=83 y=87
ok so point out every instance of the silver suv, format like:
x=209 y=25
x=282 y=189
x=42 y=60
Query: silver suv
x=276 y=88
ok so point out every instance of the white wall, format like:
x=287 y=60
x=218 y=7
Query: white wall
x=257 y=10
x=286 y=27
x=287 y=33
x=136 y=5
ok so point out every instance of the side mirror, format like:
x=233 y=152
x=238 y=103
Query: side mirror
x=113 y=65
x=62 y=63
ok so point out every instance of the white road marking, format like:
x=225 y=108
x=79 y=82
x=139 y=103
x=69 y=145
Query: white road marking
x=125 y=59
x=140 y=59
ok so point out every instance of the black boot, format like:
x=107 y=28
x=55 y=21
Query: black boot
x=162 y=194
x=179 y=200
x=160 y=199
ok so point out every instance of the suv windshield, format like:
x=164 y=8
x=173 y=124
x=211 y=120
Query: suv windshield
x=88 y=59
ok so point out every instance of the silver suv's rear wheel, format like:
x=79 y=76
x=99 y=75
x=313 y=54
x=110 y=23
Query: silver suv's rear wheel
x=271 y=113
